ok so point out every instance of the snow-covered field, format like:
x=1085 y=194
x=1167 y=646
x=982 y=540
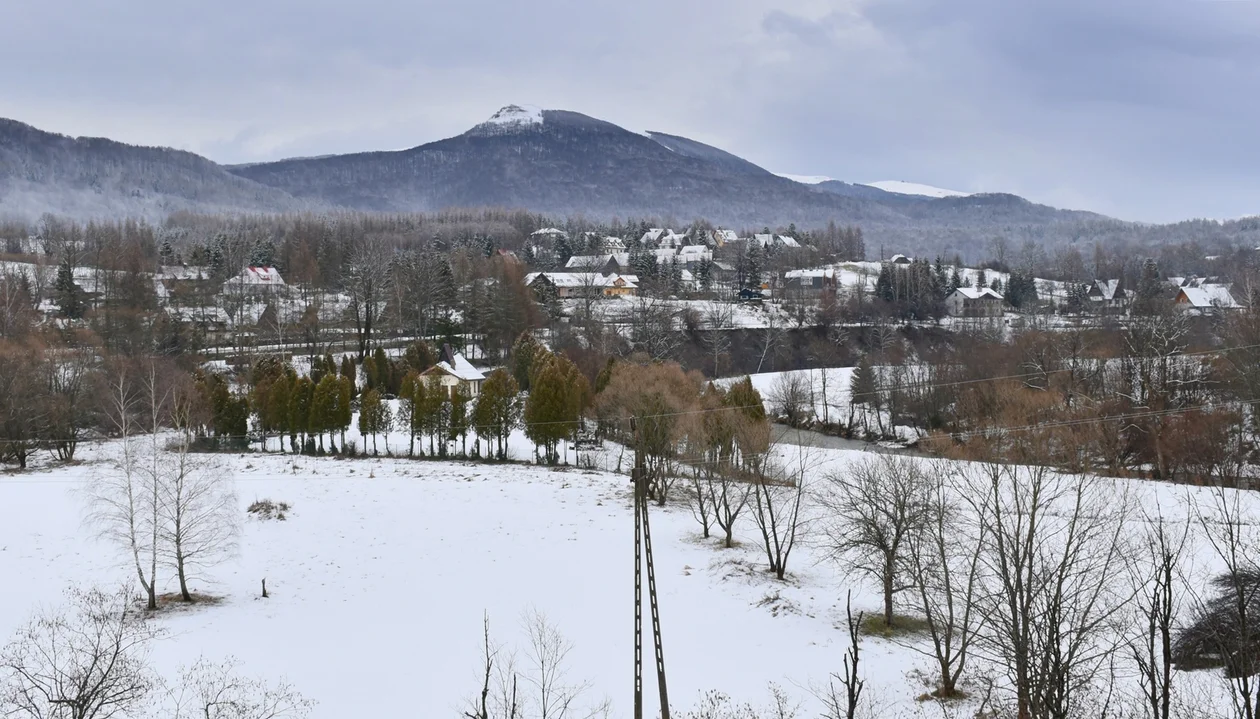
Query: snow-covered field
x=382 y=574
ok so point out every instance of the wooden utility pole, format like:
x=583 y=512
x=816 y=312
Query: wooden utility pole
x=643 y=549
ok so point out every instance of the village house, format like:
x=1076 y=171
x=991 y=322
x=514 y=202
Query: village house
x=1107 y=295
x=569 y=285
x=1207 y=297
x=900 y=260
x=721 y=237
x=694 y=254
x=975 y=302
x=255 y=281
x=767 y=241
x=454 y=371
x=808 y=284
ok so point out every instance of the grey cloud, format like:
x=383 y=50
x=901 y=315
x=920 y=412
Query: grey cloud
x=1138 y=108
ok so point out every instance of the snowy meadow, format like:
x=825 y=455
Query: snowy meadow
x=383 y=571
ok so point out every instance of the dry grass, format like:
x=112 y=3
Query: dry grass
x=873 y=626
x=173 y=602
x=267 y=509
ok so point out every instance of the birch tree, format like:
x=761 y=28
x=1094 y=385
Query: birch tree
x=199 y=515
x=126 y=501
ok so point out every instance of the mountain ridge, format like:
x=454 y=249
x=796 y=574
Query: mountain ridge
x=91 y=177
x=554 y=162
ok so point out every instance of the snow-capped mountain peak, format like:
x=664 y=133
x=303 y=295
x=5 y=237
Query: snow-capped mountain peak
x=517 y=115
x=913 y=188
x=510 y=119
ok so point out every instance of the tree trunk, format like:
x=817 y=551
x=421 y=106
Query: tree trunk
x=184 y=594
x=888 y=596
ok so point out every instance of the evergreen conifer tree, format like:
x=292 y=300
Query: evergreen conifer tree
x=345 y=410
x=370 y=416
x=300 y=409
x=460 y=417
x=67 y=294
x=323 y=408
x=547 y=407
x=497 y=411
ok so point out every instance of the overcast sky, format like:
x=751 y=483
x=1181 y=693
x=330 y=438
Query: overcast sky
x=1141 y=109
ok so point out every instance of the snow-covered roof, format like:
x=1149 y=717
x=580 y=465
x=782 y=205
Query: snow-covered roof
x=454 y=364
x=614 y=243
x=694 y=250
x=899 y=260
x=583 y=279
x=782 y=240
x=975 y=293
x=549 y=231
x=1107 y=289
x=652 y=235
x=182 y=272
x=725 y=235
x=259 y=276
x=826 y=272
x=1210 y=295
x=463 y=369
x=585 y=261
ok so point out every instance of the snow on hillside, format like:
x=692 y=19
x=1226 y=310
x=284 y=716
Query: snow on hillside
x=913 y=188
x=806 y=179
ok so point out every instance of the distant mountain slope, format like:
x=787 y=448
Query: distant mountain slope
x=549 y=161
x=93 y=177
x=564 y=162
x=567 y=163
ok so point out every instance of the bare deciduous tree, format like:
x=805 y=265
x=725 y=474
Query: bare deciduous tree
x=718 y=705
x=1157 y=606
x=199 y=514
x=944 y=559
x=215 y=691
x=87 y=660
x=368 y=285
x=871 y=511
x=126 y=503
x=1053 y=545
x=541 y=690
x=778 y=507
x=843 y=701
x=718 y=320
x=1226 y=627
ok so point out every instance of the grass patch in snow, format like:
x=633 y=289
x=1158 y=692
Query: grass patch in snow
x=873 y=626
x=267 y=509
x=172 y=602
